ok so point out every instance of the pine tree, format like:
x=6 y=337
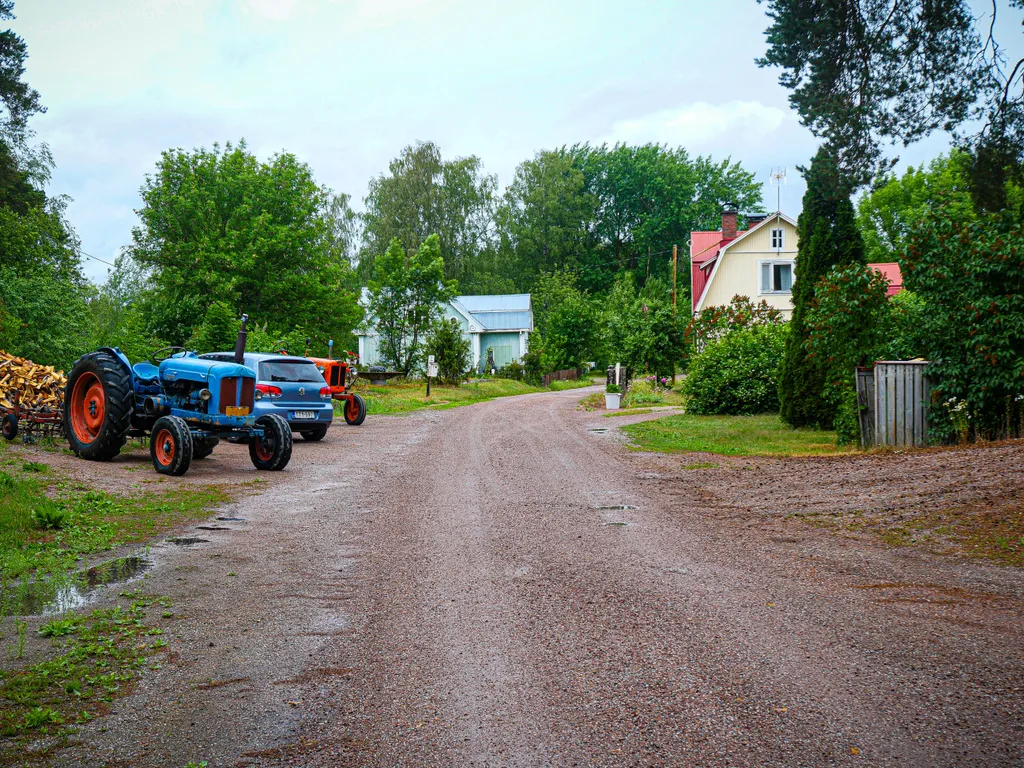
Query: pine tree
x=828 y=236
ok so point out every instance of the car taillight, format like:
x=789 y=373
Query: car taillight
x=268 y=390
x=325 y=393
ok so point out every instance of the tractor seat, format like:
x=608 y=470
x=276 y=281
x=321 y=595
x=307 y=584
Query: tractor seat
x=146 y=373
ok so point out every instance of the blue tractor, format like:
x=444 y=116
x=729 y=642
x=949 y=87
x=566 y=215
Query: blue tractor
x=184 y=404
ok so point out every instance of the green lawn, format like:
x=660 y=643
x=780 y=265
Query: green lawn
x=408 y=396
x=731 y=436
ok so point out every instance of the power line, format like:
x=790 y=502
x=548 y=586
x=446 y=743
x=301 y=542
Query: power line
x=95 y=258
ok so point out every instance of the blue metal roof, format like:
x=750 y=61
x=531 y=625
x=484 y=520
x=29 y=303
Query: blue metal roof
x=507 y=312
x=509 y=302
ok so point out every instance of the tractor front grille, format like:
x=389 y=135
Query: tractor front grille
x=228 y=393
x=335 y=376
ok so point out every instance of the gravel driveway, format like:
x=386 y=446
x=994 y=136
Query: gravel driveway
x=500 y=585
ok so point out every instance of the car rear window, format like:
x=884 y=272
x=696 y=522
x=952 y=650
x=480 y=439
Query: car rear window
x=286 y=370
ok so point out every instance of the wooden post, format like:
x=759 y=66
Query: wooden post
x=675 y=260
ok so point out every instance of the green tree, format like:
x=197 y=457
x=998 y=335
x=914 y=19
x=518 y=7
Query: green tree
x=641 y=330
x=425 y=195
x=42 y=290
x=890 y=211
x=545 y=218
x=869 y=71
x=407 y=294
x=451 y=351
x=650 y=198
x=221 y=226
x=849 y=324
x=828 y=236
x=970 y=275
x=567 y=320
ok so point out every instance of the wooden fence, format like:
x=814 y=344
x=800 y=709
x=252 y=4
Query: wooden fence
x=569 y=374
x=893 y=399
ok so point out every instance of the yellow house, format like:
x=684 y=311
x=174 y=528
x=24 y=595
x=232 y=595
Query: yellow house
x=756 y=262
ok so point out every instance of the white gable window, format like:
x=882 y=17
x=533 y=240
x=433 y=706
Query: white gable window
x=777 y=239
x=776 y=276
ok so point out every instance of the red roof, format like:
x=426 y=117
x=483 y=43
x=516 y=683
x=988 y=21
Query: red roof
x=891 y=272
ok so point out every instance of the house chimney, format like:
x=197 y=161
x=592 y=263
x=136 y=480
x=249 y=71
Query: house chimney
x=729 y=223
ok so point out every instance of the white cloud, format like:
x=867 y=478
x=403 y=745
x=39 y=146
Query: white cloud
x=702 y=126
x=274 y=10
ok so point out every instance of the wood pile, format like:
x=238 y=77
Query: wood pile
x=24 y=383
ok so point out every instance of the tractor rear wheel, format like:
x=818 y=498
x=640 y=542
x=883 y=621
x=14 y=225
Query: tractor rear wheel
x=10 y=426
x=203 y=446
x=355 y=411
x=170 y=446
x=274 y=449
x=98 y=402
x=313 y=435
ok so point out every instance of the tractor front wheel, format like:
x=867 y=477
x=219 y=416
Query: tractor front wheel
x=170 y=446
x=313 y=435
x=273 y=450
x=355 y=411
x=98 y=402
x=10 y=426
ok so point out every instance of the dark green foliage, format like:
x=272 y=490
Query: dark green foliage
x=451 y=351
x=19 y=100
x=406 y=298
x=893 y=207
x=870 y=71
x=849 y=324
x=567 y=320
x=738 y=374
x=221 y=226
x=970 y=274
x=218 y=331
x=828 y=237
x=642 y=332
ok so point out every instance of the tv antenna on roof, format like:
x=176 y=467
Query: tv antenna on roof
x=777 y=178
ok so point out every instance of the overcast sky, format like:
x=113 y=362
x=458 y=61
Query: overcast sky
x=346 y=84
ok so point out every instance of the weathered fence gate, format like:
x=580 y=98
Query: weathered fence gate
x=893 y=399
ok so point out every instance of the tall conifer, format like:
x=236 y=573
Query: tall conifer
x=828 y=235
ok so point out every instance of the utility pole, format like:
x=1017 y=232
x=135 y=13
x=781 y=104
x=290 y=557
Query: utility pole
x=675 y=260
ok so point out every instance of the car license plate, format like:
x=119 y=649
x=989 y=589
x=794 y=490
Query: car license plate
x=236 y=410
x=305 y=414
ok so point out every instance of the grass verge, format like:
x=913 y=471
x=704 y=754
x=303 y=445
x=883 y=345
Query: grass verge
x=731 y=436
x=94 y=658
x=406 y=396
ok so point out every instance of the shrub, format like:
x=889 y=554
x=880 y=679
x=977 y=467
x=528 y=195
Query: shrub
x=451 y=351
x=738 y=374
x=49 y=518
x=644 y=392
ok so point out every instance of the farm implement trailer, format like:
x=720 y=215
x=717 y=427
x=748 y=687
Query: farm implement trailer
x=183 y=404
x=32 y=422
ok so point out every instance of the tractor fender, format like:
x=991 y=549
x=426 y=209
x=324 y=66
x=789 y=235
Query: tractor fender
x=123 y=359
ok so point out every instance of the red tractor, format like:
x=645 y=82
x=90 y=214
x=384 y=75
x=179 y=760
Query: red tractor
x=339 y=375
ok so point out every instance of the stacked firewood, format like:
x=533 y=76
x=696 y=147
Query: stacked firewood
x=24 y=383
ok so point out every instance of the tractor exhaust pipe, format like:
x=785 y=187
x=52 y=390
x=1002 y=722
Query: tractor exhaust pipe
x=330 y=349
x=156 y=405
x=240 y=343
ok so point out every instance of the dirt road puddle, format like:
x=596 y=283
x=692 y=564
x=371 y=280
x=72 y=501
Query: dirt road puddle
x=60 y=594
x=616 y=507
x=233 y=519
x=186 y=541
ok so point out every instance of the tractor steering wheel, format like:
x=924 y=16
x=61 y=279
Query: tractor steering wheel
x=156 y=357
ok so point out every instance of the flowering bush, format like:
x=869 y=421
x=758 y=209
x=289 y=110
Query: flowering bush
x=715 y=322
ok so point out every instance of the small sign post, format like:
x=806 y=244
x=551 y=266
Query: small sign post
x=431 y=372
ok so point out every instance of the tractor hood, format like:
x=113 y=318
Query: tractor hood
x=201 y=371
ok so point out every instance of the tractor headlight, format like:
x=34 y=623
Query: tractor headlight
x=257 y=395
x=205 y=395
x=321 y=369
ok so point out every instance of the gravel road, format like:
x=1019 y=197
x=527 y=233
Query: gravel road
x=501 y=585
